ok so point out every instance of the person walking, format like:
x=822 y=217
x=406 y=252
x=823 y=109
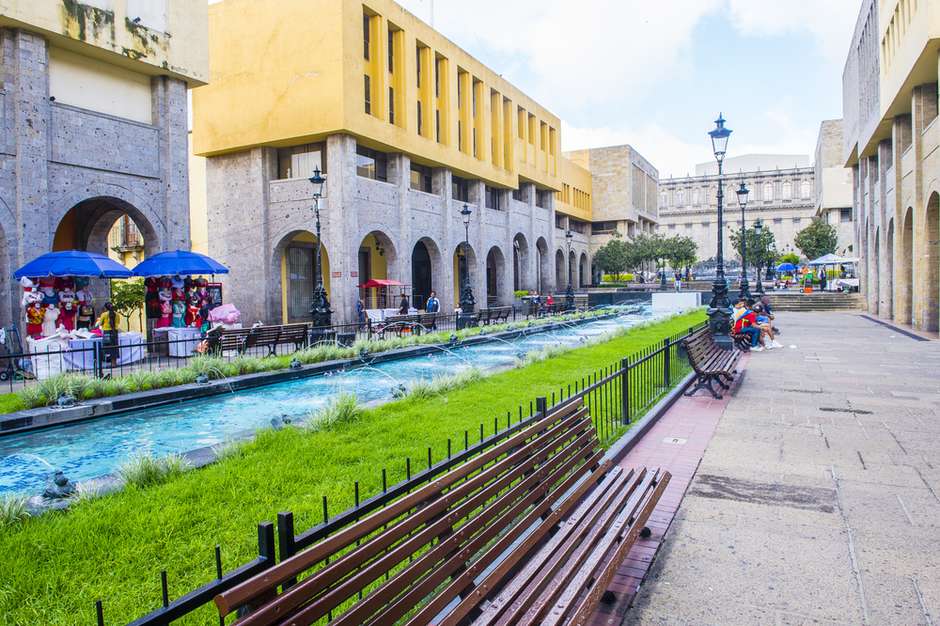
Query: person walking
x=433 y=305
x=403 y=305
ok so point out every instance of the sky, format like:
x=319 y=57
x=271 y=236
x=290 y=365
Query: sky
x=656 y=74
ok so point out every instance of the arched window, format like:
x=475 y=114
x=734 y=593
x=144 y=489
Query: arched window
x=696 y=197
x=767 y=195
x=680 y=198
x=664 y=199
x=787 y=191
x=805 y=189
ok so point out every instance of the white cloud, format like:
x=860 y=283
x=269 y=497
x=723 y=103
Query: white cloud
x=596 y=51
x=830 y=23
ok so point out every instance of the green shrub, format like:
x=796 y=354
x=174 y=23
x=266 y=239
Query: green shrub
x=13 y=510
x=622 y=278
x=145 y=470
x=520 y=293
x=341 y=410
x=439 y=385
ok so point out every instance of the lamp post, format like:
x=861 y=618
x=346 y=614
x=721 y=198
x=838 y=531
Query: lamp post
x=466 y=293
x=320 y=306
x=569 y=292
x=719 y=309
x=745 y=291
x=759 y=229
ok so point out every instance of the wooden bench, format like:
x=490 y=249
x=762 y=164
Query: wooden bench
x=494 y=315
x=240 y=340
x=712 y=364
x=530 y=531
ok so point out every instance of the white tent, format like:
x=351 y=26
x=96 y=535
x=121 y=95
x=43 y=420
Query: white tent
x=832 y=259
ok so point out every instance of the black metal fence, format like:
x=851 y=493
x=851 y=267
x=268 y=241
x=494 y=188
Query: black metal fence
x=103 y=358
x=617 y=395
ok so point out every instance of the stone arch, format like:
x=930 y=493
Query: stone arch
x=106 y=224
x=295 y=267
x=584 y=270
x=543 y=271
x=560 y=280
x=888 y=310
x=520 y=262
x=426 y=270
x=465 y=267
x=377 y=258
x=905 y=274
x=932 y=264
x=496 y=287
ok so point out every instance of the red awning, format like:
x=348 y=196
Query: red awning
x=379 y=282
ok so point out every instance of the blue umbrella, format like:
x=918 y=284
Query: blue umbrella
x=73 y=263
x=786 y=267
x=179 y=263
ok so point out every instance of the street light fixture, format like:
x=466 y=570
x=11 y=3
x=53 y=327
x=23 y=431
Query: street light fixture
x=744 y=292
x=569 y=292
x=759 y=229
x=719 y=309
x=320 y=306
x=467 y=301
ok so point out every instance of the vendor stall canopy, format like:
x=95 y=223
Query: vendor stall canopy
x=179 y=263
x=379 y=282
x=786 y=267
x=72 y=263
x=832 y=259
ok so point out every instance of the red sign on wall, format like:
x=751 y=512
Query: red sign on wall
x=336 y=274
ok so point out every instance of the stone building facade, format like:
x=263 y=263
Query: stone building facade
x=782 y=196
x=834 y=186
x=88 y=137
x=890 y=141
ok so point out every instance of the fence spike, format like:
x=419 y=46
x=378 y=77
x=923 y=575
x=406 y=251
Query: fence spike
x=408 y=468
x=429 y=457
x=384 y=481
x=218 y=561
x=495 y=424
x=326 y=513
x=448 y=447
x=481 y=432
x=99 y=612
x=466 y=440
x=164 y=588
x=357 y=494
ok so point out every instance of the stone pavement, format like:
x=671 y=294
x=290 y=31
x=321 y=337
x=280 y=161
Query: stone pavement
x=818 y=498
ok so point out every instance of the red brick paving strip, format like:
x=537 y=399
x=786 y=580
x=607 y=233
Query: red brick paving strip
x=693 y=419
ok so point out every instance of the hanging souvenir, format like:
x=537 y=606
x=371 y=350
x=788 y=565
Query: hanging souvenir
x=50 y=315
x=34 y=318
x=67 y=314
x=179 y=314
x=86 y=316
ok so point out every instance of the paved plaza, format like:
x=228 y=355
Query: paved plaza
x=817 y=500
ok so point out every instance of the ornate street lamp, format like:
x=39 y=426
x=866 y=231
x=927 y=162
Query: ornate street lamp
x=320 y=306
x=569 y=292
x=758 y=229
x=719 y=309
x=467 y=301
x=745 y=291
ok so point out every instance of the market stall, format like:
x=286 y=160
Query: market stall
x=384 y=295
x=181 y=304
x=845 y=280
x=62 y=329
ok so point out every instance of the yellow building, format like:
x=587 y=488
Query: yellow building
x=891 y=140
x=408 y=128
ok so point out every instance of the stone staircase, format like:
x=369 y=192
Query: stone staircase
x=816 y=301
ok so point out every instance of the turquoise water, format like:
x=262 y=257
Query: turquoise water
x=97 y=447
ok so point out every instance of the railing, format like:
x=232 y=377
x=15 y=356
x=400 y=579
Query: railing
x=102 y=358
x=616 y=395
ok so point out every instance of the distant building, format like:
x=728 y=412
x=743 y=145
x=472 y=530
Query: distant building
x=891 y=142
x=93 y=151
x=781 y=195
x=834 y=185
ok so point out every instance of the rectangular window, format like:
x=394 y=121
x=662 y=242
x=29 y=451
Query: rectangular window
x=437 y=78
x=517 y=194
x=542 y=198
x=672 y=227
x=418 y=65
x=778 y=220
x=460 y=189
x=437 y=124
x=845 y=215
x=421 y=177
x=492 y=198
x=474 y=142
x=420 y=120
x=391 y=51
x=459 y=135
x=366 y=44
x=797 y=220
x=520 y=122
x=371 y=163
x=368 y=93
x=391 y=105
x=300 y=161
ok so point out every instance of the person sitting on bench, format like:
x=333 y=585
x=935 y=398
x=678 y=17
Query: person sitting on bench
x=763 y=322
x=745 y=323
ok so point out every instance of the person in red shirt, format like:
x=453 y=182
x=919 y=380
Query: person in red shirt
x=745 y=323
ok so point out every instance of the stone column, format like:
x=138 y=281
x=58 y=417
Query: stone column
x=169 y=115
x=885 y=296
x=449 y=236
x=29 y=98
x=341 y=225
x=923 y=111
x=402 y=181
x=903 y=281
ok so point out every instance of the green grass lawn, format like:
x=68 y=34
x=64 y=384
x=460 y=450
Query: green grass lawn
x=10 y=402
x=55 y=566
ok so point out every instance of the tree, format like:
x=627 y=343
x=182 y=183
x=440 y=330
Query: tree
x=127 y=297
x=761 y=248
x=790 y=257
x=817 y=239
x=613 y=257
